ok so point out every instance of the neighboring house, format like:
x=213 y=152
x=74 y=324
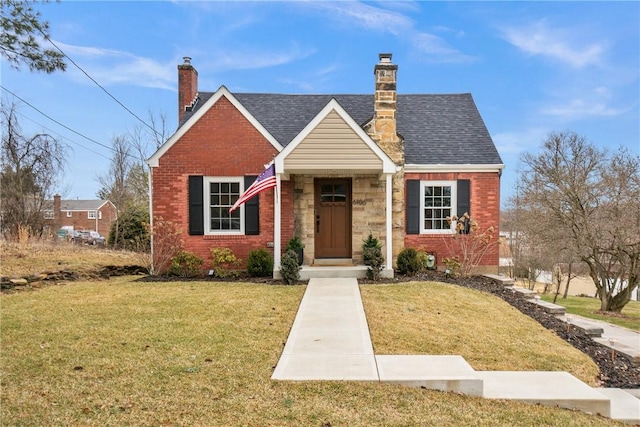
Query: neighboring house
x=96 y=215
x=389 y=164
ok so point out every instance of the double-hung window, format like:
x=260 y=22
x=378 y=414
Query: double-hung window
x=91 y=215
x=220 y=194
x=437 y=202
x=429 y=203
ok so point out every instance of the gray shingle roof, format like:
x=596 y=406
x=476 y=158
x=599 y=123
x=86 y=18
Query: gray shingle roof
x=437 y=129
x=76 y=205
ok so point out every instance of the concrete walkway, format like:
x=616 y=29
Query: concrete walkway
x=329 y=340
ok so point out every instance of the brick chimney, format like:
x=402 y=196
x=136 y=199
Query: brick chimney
x=383 y=126
x=187 y=86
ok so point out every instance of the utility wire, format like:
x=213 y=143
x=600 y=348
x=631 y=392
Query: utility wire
x=24 y=116
x=57 y=122
x=99 y=85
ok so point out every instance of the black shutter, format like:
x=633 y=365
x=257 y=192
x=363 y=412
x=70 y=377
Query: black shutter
x=413 y=206
x=464 y=197
x=196 y=206
x=251 y=210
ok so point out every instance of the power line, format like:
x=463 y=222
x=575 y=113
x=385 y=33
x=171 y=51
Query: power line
x=62 y=136
x=98 y=84
x=57 y=122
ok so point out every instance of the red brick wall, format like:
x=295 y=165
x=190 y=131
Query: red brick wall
x=485 y=209
x=221 y=143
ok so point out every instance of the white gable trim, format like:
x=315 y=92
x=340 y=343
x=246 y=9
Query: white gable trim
x=388 y=166
x=414 y=168
x=153 y=161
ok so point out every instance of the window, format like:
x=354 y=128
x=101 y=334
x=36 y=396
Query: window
x=220 y=195
x=91 y=215
x=437 y=202
x=69 y=214
x=99 y=214
x=48 y=215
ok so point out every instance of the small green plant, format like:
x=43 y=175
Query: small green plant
x=224 y=262
x=372 y=257
x=452 y=266
x=421 y=259
x=295 y=243
x=260 y=263
x=289 y=268
x=185 y=264
x=407 y=262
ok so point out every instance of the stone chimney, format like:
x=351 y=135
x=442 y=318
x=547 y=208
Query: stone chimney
x=187 y=86
x=383 y=126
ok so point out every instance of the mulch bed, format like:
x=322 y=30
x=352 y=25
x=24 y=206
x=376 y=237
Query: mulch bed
x=619 y=372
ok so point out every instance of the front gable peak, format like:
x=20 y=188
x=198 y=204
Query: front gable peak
x=153 y=161
x=333 y=141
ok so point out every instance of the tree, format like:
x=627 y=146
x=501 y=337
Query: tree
x=22 y=27
x=587 y=200
x=29 y=168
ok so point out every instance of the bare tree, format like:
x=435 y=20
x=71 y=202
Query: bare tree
x=22 y=28
x=30 y=166
x=589 y=200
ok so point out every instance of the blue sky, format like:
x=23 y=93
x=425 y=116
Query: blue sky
x=532 y=67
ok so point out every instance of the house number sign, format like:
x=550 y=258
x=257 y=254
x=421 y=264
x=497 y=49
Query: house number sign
x=359 y=202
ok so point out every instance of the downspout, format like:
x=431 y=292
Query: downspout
x=152 y=269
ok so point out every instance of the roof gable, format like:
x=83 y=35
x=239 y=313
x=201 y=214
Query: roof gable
x=333 y=140
x=200 y=111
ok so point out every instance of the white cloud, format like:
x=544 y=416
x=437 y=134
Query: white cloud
x=581 y=109
x=515 y=142
x=562 y=45
x=438 y=50
x=385 y=21
x=109 y=66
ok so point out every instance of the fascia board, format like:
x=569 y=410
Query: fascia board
x=414 y=168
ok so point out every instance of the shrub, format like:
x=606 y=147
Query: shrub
x=186 y=264
x=295 y=243
x=372 y=256
x=407 y=262
x=289 y=268
x=421 y=259
x=468 y=244
x=224 y=262
x=166 y=245
x=453 y=265
x=260 y=263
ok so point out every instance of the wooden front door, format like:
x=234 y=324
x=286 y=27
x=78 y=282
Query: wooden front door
x=333 y=218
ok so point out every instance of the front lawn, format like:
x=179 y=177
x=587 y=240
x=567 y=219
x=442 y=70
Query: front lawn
x=122 y=352
x=589 y=307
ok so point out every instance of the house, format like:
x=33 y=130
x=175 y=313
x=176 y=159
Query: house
x=389 y=164
x=94 y=215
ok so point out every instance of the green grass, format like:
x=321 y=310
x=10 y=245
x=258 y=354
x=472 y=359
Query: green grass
x=439 y=318
x=126 y=353
x=589 y=307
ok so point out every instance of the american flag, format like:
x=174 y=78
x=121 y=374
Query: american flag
x=265 y=180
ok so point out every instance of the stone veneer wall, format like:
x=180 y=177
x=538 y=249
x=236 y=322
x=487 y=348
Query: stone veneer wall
x=367 y=213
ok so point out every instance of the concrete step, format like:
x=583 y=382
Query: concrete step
x=526 y=293
x=549 y=307
x=506 y=281
x=624 y=406
x=444 y=373
x=555 y=389
x=344 y=262
x=336 y=272
x=591 y=328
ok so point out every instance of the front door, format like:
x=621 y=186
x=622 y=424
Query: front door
x=333 y=218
